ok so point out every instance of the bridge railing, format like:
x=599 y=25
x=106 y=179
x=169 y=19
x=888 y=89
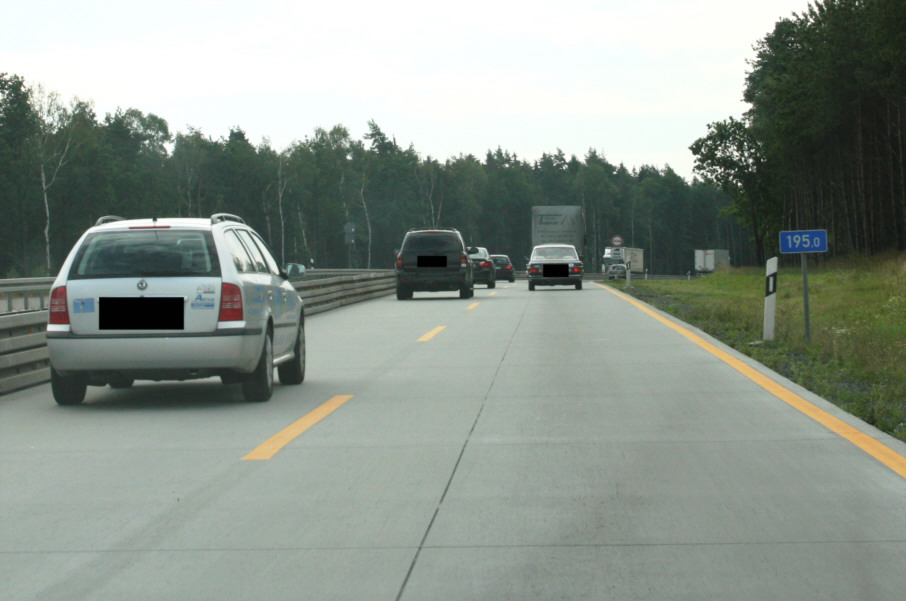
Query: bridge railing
x=23 y=347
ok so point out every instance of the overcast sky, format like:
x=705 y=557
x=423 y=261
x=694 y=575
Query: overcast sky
x=637 y=80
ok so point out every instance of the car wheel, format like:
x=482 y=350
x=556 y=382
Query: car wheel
x=531 y=286
x=67 y=390
x=464 y=292
x=578 y=285
x=258 y=386
x=403 y=293
x=293 y=372
x=492 y=284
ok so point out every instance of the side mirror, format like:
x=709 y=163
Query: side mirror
x=295 y=270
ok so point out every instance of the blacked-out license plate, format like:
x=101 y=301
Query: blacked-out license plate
x=556 y=271
x=141 y=313
x=431 y=261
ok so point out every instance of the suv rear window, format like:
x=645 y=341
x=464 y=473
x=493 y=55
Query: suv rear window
x=432 y=242
x=141 y=253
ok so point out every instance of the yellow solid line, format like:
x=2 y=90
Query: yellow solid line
x=873 y=447
x=432 y=333
x=472 y=306
x=275 y=443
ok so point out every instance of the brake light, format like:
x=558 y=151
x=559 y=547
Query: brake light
x=149 y=227
x=464 y=260
x=399 y=261
x=230 y=303
x=484 y=264
x=59 y=307
x=577 y=270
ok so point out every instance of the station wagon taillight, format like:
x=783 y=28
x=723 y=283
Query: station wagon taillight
x=230 y=303
x=59 y=309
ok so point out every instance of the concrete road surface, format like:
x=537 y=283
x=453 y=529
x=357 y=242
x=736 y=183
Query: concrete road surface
x=555 y=444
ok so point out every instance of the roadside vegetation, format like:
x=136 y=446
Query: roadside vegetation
x=857 y=355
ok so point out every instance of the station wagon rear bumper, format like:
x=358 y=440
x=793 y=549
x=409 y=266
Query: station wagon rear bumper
x=233 y=349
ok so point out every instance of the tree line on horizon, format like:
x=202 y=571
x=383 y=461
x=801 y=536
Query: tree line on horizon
x=821 y=147
x=61 y=167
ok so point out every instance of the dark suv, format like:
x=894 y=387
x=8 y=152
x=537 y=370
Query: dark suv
x=431 y=260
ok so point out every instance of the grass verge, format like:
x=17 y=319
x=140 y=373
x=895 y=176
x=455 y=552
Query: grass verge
x=857 y=307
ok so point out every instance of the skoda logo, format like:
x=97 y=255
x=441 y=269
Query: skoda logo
x=142 y=284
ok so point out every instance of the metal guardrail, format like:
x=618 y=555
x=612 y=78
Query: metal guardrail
x=33 y=294
x=24 y=358
x=23 y=350
x=24 y=294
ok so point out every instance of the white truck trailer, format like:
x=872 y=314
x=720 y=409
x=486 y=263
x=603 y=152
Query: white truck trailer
x=708 y=261
x=633 y=258
x=559 y=225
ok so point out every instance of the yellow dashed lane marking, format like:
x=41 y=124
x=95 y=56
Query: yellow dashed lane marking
x=876 y=449
x=275 y=443
x=472 y=306
x=432 y=333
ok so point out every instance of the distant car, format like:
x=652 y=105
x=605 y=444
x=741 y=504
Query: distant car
x=433 y=260
x=504 y=267
x=554 y=265
x=485 y=271
x=616 y=271
x=173 y=299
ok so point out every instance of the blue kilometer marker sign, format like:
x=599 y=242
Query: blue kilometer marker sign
x=803 y=241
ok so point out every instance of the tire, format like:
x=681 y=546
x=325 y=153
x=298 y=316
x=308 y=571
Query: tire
x=531 y=286
x=293 y=372
x=464 y=292
x=258 y=386
x=492 y=284
x=68 y=390
x=578 y=285
x=403 y=293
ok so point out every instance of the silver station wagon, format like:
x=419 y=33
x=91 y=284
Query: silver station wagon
x=173 y=299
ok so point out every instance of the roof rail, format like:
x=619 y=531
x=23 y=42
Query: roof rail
x=108 y=219
x=218 y=217
x=433 y=229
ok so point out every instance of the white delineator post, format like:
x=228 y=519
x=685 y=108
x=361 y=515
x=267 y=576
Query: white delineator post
x=770 y=298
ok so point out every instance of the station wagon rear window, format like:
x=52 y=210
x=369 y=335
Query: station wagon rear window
x=432 y=243
x=146 y=253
